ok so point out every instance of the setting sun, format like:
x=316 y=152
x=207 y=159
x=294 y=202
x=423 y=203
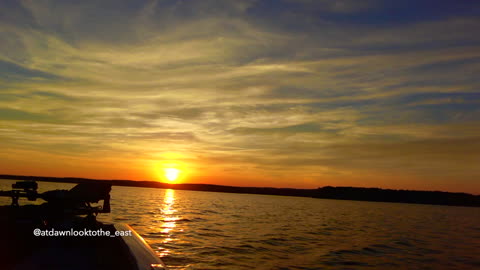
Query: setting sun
x=172 y=174
x=168 y=170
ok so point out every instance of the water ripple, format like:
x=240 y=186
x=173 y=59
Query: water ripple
x=200 y=230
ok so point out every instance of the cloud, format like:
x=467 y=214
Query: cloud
x=8 y=114
x=300 y=88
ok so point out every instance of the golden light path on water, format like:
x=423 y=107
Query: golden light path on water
x=168 y=219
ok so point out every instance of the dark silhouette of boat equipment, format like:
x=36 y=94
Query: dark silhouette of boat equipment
x=68 y=210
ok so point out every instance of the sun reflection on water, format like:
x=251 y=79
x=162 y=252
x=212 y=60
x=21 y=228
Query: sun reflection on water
x=168 y=202
x=168 y=220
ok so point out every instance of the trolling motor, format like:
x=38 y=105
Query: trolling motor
x=76 y=201
x=27 y=189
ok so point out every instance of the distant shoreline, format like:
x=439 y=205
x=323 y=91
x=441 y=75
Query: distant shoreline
x=339 y=193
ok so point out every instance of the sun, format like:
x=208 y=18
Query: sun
x=172 y=174
x=170 y=170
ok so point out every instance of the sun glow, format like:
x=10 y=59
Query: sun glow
x=170 y=169
x=172 y=174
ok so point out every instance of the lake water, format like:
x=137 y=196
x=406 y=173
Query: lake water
x=203 y=230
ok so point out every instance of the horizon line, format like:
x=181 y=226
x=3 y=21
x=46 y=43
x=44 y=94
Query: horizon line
x=166 y=183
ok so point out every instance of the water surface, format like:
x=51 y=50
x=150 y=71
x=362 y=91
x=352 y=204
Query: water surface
x=203 y=230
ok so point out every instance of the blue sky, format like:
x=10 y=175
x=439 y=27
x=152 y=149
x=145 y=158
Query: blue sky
x=254 y=93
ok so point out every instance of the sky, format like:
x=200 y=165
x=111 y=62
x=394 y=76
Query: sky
x=284 y=93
